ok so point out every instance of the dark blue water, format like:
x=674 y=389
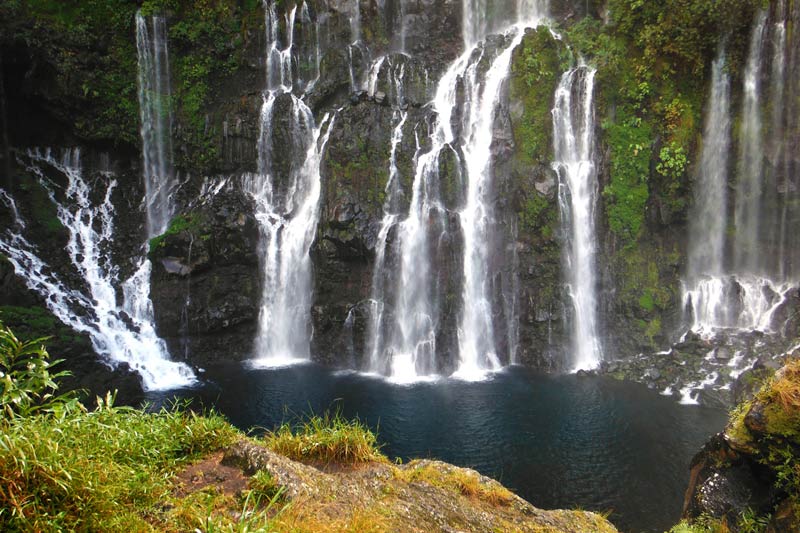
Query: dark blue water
x=559 y=442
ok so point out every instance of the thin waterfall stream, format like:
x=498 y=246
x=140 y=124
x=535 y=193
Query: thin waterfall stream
x=287 y=207
x=573 y=137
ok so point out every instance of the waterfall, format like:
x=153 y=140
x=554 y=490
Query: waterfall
x=777 y=132
x=745 y=294
x=390 y=214
x=154 y=106
x=402 y=344
x=751 y=149
x=708 y=220
x=118 y=333
x=573 y=142
x=704 y=290
x=287 y=206
x=476 y=346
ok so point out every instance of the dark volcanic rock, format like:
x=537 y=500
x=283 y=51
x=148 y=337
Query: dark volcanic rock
x=724 y=483
x=206 y=286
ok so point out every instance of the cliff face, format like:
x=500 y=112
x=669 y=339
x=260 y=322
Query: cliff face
x=69 y=79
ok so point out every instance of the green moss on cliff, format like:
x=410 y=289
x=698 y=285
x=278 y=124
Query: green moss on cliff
x=653 y=59
x=535 y=70
x=630 y=141
x=88 y=48
x=206 y=38
x=181 y=223
x=37 y=322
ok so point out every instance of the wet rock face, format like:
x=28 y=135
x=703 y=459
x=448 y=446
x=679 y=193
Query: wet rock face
x=749 y=469
x=205 y=283
x=724 y=483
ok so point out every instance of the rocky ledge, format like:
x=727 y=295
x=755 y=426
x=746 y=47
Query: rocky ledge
x=750 y=473
x=421 y=496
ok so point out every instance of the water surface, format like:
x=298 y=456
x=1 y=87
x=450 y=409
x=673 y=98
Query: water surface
x=559 y=442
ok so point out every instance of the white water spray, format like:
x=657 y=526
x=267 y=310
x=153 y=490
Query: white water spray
x=287 y=218
x=121 y=334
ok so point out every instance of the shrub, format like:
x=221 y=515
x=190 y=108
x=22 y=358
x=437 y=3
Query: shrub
x=26 y=384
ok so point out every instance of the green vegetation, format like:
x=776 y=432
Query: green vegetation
x=207 y=40
x=535 y=70
x=630 y=142
x=66 y=468
x=25 y=379
x=43 y=210
x=652 y=60
x=177 y=225
x=328 y=438
x=38 y=322
x=537 y=213
x=98 y=80
x=90 y=48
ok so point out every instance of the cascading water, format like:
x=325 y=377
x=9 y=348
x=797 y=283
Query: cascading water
x=708 y=221
x=154 y=106
x=745 y=294
x=704 y=288
x=405 y=348
x=476 y=343
x=747 y=256
x=390 y=216
x=117 y=333
x=573 y=140
x=287 y=215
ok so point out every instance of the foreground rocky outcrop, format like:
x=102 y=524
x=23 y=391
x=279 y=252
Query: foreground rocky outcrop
x=750 y=473
x=421 y=496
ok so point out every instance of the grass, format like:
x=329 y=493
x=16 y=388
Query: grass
x=64 y=467
x=786 y=390
x=75 y=469
x=326 y=439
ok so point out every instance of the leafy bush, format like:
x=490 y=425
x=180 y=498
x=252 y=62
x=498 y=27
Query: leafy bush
x=26 y=384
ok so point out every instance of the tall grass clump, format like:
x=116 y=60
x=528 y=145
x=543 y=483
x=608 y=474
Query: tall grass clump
x=327 y=438
x=66 y=468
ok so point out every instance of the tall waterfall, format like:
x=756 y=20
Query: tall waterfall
x=708 y=220
x=734 y=284
x=704 y=288
x=402 y=344
x=287 y=206
x=573 y=140
x=751 y=152
x=154 y=107
x=377 y=363
x=117 y=332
